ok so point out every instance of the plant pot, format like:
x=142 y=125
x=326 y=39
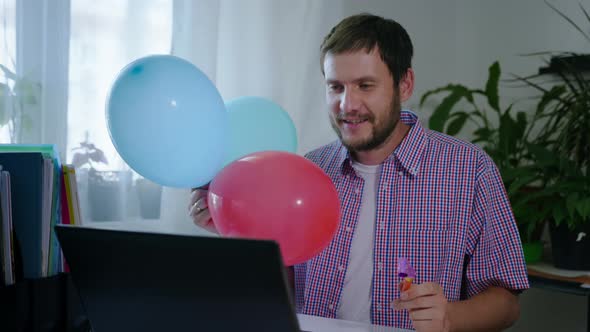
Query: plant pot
x=106 y=195
x=570 y=248
x=533 y=251
x=150 y=196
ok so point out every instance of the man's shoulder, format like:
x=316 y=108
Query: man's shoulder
x=449 y=146
x=447 y=142
x=326 y=155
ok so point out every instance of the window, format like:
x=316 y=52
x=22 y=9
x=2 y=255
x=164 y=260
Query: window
x=7 y=59
x=105 y=36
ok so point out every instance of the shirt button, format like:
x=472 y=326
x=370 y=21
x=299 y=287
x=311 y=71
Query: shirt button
x=331 y=307
x=400 y=173
x=349 y=229
x=341 y=268
x=382 y=226
x=378 y=307
x=357 y=191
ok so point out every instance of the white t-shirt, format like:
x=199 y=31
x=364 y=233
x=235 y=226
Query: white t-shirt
x=355 y=302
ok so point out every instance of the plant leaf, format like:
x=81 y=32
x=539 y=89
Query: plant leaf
x=585 y=12
x=507 y=132
x=520 y=182
x=568 y=19
x=542 y=155
x=441 y=114
x=559 y=214
x=8 y=73
x=482 y=134
x=583 y=207
x=521 y=125
x=28 y=92
x=427 y=94
x=571 y=202
x=552 y=95
x=5 y=100
x=98 y=156
x=457 y=124
x=492 y=86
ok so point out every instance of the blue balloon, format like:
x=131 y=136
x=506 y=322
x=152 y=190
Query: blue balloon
x=258 y=124
x=168 y=121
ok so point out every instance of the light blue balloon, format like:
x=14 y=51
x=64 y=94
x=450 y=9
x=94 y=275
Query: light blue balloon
x=168 y=121
x=258 y=124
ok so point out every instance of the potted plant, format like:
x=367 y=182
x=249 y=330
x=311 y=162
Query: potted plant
x=150 y=196
x=507 y=138
x=19 y=99
x=566 y=156
x=106 y=189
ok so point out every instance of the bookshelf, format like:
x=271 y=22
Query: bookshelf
x=36 y=294
x=42 y=305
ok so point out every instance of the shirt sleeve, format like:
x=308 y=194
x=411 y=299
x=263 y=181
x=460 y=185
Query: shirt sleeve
x=494 y=254
x=300 y=275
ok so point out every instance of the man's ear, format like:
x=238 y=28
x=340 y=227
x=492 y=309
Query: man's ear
x=406 y=85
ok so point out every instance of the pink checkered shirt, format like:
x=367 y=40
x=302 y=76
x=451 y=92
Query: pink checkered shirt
x=441 y=204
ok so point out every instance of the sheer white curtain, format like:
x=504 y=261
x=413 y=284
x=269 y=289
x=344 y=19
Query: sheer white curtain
x=106 y=36
x=8 y=62
x=66 y=54
x=264 y=48
x=34 y=48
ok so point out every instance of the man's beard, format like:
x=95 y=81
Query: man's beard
x=379 y=133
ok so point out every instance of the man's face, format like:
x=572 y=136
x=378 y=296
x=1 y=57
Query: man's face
x=364 y=104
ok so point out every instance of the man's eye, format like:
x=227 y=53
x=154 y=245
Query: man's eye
x=365 y=86
x=335 y=87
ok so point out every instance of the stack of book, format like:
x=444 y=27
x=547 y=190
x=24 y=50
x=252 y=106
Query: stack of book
x=36 y=193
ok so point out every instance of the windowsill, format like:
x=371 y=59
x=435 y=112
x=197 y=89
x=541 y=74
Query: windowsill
x=148 y=225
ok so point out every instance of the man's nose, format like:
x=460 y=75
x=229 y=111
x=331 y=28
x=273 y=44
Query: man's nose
x=349 y=101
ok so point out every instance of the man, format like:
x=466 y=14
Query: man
x=406 y=192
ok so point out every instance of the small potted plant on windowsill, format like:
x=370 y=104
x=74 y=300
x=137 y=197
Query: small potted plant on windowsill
x=149 y=195
x=106 y=189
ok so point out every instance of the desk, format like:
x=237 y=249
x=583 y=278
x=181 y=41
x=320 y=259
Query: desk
x=570 y=285
x=320 y=324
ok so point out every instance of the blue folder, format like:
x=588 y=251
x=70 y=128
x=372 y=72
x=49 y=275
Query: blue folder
x=26 y=176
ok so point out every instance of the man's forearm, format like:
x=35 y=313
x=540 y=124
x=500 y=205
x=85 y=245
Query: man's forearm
x=492 y=310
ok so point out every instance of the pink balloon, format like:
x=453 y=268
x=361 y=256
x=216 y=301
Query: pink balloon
x=279 y=196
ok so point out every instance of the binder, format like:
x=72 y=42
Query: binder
x=26 y=177
x=7 y=231
x=51 y=212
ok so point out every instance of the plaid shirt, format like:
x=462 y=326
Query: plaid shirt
x=441 y=204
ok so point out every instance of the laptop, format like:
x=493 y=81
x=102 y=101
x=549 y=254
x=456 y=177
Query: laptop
x=152 y=282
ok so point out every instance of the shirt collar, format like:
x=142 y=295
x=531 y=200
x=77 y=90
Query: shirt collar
x=408 y=153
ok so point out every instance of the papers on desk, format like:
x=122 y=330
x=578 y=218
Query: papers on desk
x=321 y=324
x=550 y=269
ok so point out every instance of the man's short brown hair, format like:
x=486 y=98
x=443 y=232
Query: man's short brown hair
x=367 y=31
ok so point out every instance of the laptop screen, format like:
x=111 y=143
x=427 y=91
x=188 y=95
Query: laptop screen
x=136 y=281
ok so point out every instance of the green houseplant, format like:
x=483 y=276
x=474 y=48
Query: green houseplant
x=565 y=158
x=150 y=196
x=106 y=189
x=19 y=100
x=506 y=134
